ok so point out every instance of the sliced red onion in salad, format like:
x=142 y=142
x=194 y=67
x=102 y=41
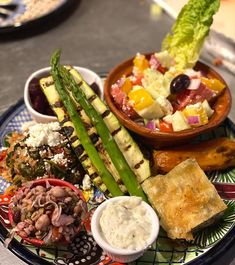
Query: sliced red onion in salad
x=193 y=120
x=151 y=125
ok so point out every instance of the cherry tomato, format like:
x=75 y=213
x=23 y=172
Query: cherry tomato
x=162 y=69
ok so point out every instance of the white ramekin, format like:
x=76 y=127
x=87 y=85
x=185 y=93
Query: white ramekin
x=88 y=75
x=122 y=255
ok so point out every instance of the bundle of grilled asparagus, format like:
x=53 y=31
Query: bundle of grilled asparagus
x=105 y=148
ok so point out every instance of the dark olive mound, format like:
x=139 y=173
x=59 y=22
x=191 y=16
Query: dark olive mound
x=39 y=100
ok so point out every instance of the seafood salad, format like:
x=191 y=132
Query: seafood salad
x=47 y=213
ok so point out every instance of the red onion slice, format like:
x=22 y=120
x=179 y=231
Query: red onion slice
x=193 y=120
x=151 y=125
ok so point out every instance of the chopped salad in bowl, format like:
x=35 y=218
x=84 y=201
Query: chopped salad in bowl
x=160 y=96
x=167 y=91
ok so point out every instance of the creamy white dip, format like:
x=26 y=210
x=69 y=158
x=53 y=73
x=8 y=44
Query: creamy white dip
x=126 y=224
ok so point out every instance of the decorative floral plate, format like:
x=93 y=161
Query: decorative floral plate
x=207 y=246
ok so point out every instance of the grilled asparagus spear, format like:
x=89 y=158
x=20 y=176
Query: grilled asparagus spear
x=127 y=175
x=81 y=131
x=48 y=87
x=128 y=147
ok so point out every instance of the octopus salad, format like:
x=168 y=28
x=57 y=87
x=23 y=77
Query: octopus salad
x=48 y=214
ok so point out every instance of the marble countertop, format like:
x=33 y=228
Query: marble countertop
x=97 y=34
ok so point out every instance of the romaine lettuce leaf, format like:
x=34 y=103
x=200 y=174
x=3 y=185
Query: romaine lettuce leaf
x=189 y=32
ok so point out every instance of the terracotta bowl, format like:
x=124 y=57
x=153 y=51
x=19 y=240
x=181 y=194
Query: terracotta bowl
x=43 y=182
x=158 y=139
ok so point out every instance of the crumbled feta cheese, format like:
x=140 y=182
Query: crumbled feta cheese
x=44 y=134
x=60 y=159
x=86 y=183
x=165 y=105
x=25 y=126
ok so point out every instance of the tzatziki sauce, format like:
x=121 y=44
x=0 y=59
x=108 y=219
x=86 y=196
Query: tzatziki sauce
x=126 y=224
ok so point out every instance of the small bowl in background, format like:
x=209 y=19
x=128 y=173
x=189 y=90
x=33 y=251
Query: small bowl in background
x=157 y=139
x=117 y=254
x=44 y=182
x=89 y=76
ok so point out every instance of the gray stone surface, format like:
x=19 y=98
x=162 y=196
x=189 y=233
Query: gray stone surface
x=98 y=34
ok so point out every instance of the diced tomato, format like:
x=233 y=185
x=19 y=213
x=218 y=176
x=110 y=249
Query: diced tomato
x=117 y=94
x=155 y=64
x=121 y=101
x=162 y=69
x=181 y=100
x=136 y=79
x=202 y=93
x=165 y=127
x=190 y=97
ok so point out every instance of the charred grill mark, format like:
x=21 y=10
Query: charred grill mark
x=88 y=168
x=94 y=138
x=94 y=175
x=79 y=108
x=73 y=139
x=127 y=147
x=83 y=158
x=116 y=131
x=66 y=118
x=99 y=147
x=80 y=83
x=79 y=150
x=105 y=113
x=68 y=130
x=93 y=97
x=49 y=83
x=87 y=126
x=57 y=104
x=139 y=164
x=119 y=182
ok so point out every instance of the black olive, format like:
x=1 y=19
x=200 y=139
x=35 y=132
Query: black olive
x=179 y=83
